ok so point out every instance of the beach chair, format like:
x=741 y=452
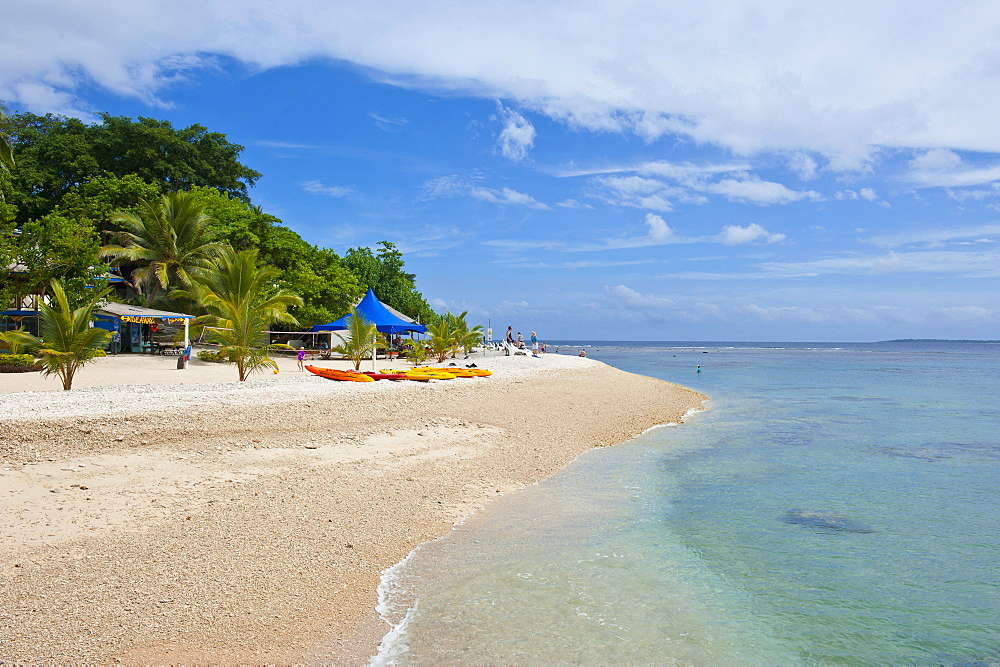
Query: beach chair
x=514 y=349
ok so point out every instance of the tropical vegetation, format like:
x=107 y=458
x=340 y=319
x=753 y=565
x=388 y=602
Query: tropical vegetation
x=168 y=240
x=155 y=205
x=242 y=303
x=67 y=341
x=360 y=339
x=442 y=339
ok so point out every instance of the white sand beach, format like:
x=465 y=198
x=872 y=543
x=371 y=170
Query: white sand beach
x=178 y=516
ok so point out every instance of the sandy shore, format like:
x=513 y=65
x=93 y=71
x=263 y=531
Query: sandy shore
x=163 y=515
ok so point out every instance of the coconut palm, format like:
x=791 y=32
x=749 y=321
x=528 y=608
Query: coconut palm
x=465 y=338
x=443 y=339
x=20 y=341
x=6 y=149
x=242 y=303
x=170 y=239
x=361 y=338
x=68 y=339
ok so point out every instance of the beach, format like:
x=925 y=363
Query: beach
x=161 y=515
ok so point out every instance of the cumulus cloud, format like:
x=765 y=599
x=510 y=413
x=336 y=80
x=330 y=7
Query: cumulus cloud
x=757 y=191
x=755 y=77
x=659 y=231
x=517 y=136
x=737 y=235
x=317 y=188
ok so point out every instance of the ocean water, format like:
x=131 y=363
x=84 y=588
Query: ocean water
x=838 y=503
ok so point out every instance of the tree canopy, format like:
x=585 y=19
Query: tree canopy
x=383 y=272
x=55 y=155
x=70 y=189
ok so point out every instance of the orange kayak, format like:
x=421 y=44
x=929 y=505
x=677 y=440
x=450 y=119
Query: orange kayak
x=343 y=376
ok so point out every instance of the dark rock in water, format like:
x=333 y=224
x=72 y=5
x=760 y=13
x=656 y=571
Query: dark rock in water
x=922 y=453
x=826 y=521
x=946 y=450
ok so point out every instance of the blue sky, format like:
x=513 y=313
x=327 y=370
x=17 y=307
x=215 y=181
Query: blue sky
x=628 y=170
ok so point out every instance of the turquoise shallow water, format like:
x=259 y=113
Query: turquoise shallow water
x=839 y=503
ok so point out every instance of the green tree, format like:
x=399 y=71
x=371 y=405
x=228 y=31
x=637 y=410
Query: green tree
x=6 y=149
x=98 y=200
x=69 y=340
x=466 y=338
x=243 y=302
x=443 y=339
x=167 y=240
x=327 y=287
x=360 y=339
x=57 y=247
x=57 y=155
x=383 y=272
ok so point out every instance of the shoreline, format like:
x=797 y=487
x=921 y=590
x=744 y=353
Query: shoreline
x=228 y=522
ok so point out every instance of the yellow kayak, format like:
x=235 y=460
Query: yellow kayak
x=458 y=372
x=419 y=374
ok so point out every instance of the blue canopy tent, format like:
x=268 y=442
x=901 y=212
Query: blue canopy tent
x=376 y=312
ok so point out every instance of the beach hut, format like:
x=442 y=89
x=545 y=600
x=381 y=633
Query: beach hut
x=137 y=324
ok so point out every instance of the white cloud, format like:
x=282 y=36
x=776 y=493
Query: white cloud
x=317 y=188
x=388 y=124
x=506 y=196
x=517 y=136
x=659 y=231
x=655 y=185
x=970 y=264
x=572 y=203
x=737 y=235
x=757 y=191
x=938 y=159
x=630 y=297
x=936 y=235
x=803 y=165
x=755 y=77
x=456 y=186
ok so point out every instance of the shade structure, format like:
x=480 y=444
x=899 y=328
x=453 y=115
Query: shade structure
x=376 y=312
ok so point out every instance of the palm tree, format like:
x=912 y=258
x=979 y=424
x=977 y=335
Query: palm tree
x=69 y=341
x=6 y=153
x=465 y=337
x=170 y=239
x=242 y=303
x=20 y=341
x=360 y=339
x=6 y=149
x=443 y=339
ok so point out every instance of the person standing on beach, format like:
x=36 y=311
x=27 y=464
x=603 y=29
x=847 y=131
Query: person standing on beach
x=116 y=342
x=301 y=357
x=510 y=341
x=534 y=345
